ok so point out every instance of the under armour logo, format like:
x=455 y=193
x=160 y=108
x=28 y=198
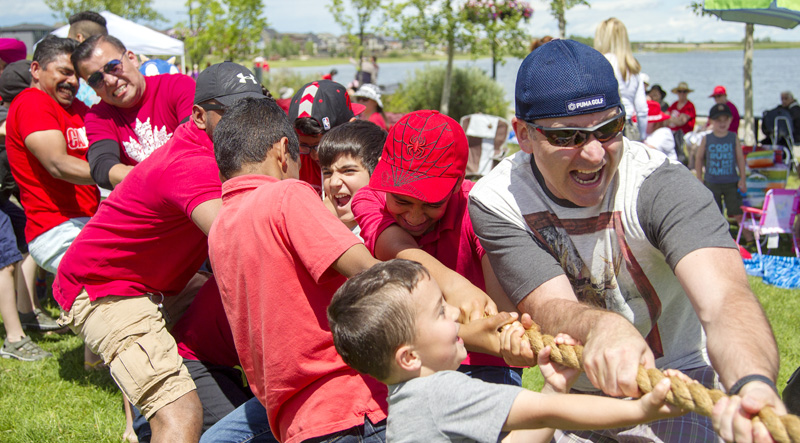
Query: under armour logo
x=243 y=77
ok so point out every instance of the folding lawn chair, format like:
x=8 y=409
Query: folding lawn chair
x=775 y=217
x=486 y=136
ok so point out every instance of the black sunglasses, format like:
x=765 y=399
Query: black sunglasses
x=577 y=137
x=113 y=67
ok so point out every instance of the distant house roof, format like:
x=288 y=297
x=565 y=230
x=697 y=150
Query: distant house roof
x=27 y=27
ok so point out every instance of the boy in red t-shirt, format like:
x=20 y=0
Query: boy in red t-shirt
x=315 y=109
x=415 y=207
x=277 y=276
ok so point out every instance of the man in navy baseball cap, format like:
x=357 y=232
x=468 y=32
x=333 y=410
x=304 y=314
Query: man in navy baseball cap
x=588 y=236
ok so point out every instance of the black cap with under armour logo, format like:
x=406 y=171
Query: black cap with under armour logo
x=226 y=83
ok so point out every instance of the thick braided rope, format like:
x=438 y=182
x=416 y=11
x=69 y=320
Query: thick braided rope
x=691 y=397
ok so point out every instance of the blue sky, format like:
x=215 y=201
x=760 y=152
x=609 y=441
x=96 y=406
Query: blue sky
x=647 y=20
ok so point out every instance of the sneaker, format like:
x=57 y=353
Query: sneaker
x=24 y=350
x=37 y=320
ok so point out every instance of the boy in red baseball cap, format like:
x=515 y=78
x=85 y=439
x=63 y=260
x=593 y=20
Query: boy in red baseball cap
x=415 y=207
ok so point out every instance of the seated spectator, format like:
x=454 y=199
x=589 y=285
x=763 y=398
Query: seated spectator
x=657 y=94
x=682 y=112
x=137 y=115
x=789 y=103
x=417 y=357
x=790 y=109
x=347 y=156
x=308 y=392
x=112 y=294
x=369 y=95
x=315 y=109
x=659 y=136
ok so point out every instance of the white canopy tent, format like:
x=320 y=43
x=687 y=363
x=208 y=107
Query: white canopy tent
x=137 y=38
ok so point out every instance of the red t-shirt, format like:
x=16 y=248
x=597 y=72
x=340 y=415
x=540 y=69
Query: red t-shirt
x=142 y=129
x=203 y=332
x=143 y=238
x=276 y=281
x=453 y=242
x=377 y=118
x=48 y=201
x=687 y=109
x=311 y=173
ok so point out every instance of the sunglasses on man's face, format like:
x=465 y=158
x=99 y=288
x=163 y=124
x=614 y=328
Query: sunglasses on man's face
x=113 y=67
x=577 y=137
x=306 y=149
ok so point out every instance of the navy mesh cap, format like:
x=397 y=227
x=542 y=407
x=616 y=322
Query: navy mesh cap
x=563 y=78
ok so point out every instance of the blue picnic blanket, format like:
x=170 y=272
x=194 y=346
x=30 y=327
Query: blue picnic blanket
x=783 y=272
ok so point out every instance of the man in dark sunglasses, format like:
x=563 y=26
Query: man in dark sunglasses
x=137 y=114
x=136 y=264
x=607 y=240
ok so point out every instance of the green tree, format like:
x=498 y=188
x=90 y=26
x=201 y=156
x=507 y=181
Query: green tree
x=130 y=9
x=227 y=29
x=438 y=23
x=309 y=48
x=501 y=22
x=364 y=10
x=559 y=10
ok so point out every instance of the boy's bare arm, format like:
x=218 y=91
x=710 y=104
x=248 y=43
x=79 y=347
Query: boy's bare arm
x=354 y=260
x=741 y=164
x=698 y=159
x=473 y=303
x=532 y=410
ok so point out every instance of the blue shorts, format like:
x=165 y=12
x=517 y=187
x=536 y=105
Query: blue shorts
x=18 y=221
x=9 y=254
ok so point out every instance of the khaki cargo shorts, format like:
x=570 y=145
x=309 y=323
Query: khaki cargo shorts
x=130 y=335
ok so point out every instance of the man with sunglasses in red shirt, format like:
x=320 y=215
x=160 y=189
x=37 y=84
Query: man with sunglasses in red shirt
x=137 y=114
x=587 y=235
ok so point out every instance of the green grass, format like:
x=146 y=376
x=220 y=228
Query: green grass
x=55 y=399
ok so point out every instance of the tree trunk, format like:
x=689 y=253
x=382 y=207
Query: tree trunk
x=749 y=133
x=562 y=19
x=494 y=57
x=444 y=105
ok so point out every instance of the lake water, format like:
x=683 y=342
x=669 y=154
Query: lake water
x=774 y=70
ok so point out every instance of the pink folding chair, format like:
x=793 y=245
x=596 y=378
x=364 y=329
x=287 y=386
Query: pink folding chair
x=775 y=217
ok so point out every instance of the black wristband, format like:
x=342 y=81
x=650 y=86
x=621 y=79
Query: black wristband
x=752 y=377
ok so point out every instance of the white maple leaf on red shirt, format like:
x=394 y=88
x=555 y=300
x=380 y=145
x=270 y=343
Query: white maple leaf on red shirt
x=150 y=139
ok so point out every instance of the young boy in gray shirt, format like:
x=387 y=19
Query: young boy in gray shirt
x=392 y=322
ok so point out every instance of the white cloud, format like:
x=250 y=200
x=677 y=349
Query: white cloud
x=647 y=20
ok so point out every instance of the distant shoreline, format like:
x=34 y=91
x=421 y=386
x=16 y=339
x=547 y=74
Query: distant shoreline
x=665 y=47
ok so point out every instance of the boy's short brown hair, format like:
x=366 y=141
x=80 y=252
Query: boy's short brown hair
x=371 y=315
x=360 y=139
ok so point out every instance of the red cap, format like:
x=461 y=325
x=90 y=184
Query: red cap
x=654 y=113
x=718 y=90
x=12 y=50
x=425 y=155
